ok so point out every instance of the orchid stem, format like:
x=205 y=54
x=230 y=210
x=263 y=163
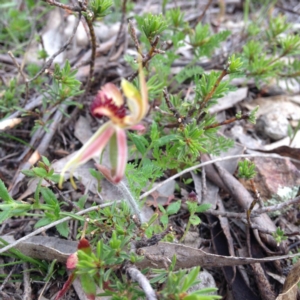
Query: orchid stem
x=128 y=197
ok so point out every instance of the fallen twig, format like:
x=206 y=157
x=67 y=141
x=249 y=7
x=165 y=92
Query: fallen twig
x=188 y=257
x=64 y=6
x=26 y=281
x=277 y=206
x=143 y=282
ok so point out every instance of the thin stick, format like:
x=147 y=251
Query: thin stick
x=22 y=74
x=228 y=121
x=134 y=36
x=64 y=6
x=26 y=281
x=211 y=93
x=278 y=206
x=208 y=163
x=12 y=271
x=128 y=197
x=149 y=55
x=92 y=60
x=204 y=11
x=113 y=48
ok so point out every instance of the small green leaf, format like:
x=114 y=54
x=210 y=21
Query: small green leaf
x=63 y=229
x=114 y=241
x=29 y=173
x=88 y=285
x=99 y=249
x=192 y=206
x=195 y=220
x=46 y=161
x=152 y=219
x=165 y=140
x=140 y=142
x=173 y=208
x=37 y=192
x=4 y=195
x=82 y=201
x=42 y=222
x=160 y=278
x=161 y=208
x=203 y=207
x=192 y=297
x=40 y=172
x=96 y=174
x=49 y=196
x=206 y=291
x=190 y=279
x=51 y=270
x=164 y=220
x=4 y=215
x=54 y=177
x=154 y=134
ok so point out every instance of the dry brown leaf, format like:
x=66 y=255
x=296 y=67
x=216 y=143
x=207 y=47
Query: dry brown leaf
x=229 y=100
x=45 y=247
x=188 y=257
x=290 y=287
x=50 y=248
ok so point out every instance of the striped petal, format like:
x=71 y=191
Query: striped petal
x=122 y=155
x=118 y=157
x=91 y=148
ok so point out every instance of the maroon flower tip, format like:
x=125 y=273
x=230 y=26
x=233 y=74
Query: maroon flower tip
x=83 y=244
x=192 y=196
x=102 y=105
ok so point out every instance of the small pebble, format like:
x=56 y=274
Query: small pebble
x=273 y=125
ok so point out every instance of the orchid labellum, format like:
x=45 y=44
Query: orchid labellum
x=109 y=102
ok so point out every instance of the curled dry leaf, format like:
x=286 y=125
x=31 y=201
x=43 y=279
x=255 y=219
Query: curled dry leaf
x=50 y=248
x=188 y=257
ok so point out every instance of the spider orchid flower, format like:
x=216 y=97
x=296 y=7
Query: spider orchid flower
x=110 y=103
